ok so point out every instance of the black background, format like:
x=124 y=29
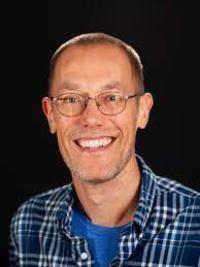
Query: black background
x=165 y=33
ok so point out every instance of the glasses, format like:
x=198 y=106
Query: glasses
x=108 y=103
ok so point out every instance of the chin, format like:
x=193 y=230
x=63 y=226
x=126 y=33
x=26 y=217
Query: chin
x=93 y=178
x=96 y=180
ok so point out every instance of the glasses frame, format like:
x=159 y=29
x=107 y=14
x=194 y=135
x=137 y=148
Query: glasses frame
x=55 y=99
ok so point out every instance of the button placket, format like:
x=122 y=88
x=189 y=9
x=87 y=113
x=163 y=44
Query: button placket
x=84 y=255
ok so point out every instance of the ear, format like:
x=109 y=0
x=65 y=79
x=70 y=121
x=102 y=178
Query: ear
x=144 y=108
x=48 y=112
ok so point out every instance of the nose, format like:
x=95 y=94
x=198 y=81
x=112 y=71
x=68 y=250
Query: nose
x=92 y=117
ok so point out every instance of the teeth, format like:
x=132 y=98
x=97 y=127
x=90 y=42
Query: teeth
x=95 y=143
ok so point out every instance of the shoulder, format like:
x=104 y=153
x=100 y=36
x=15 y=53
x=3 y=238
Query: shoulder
x=176 y=194
x=168 y=192
x=171 y=186
x=40 y=207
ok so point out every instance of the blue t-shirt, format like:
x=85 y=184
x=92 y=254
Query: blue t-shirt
x=103 y=241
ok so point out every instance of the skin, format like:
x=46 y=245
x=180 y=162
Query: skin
x=106 y=179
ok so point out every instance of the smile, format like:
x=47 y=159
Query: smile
x=94 y=143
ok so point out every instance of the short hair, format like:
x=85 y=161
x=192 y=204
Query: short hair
x=99 y=38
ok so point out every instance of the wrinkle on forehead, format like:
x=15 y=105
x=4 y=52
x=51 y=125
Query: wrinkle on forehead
x=73 y=86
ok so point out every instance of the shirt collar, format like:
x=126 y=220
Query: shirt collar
x=64 y=209
x=146 y=196
x=144 y=207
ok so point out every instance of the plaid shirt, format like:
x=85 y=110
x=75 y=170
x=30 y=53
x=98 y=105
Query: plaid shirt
x=165 y=230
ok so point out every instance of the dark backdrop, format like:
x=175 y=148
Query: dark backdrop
x=164 y=33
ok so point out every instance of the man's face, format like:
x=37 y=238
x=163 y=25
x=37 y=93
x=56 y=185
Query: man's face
x=96 y=147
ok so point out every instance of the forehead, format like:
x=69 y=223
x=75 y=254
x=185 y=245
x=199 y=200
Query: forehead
x=92 y=52
x=92 y=64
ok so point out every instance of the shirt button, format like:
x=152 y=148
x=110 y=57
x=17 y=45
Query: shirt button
x=84 y=255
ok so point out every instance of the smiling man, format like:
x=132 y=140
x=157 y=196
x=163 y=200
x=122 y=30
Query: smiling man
x=116 y=212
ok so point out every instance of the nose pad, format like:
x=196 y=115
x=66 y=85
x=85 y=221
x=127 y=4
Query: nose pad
x=97 y=103
x=93 y=100
x=92 y=117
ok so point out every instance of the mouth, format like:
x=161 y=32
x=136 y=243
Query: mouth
x=94 y=144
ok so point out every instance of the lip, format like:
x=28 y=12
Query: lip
x=94 y=149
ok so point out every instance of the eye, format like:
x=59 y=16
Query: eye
x=111 y=98
x=70 y=99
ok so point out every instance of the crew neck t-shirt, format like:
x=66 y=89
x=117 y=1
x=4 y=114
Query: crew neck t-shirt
x=102 y=241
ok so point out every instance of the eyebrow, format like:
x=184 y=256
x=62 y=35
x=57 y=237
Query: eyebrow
x=111 y=86
x=67 y=85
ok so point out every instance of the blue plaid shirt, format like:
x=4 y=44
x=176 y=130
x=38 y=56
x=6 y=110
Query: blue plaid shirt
x=165 y=230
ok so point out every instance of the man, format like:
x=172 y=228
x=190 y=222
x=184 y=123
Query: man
x=116 y=212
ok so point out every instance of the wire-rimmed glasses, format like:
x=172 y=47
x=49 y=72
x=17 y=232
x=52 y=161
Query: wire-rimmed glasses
x=108 y=103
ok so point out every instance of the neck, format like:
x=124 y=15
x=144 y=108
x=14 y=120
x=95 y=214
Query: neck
x=113 y=202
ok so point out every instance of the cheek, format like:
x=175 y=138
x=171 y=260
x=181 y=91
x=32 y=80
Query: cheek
x=128 y=132
x=129 y=128
x=127 y=122
x=64 y=125
x=62 y=131
x=66 y=129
